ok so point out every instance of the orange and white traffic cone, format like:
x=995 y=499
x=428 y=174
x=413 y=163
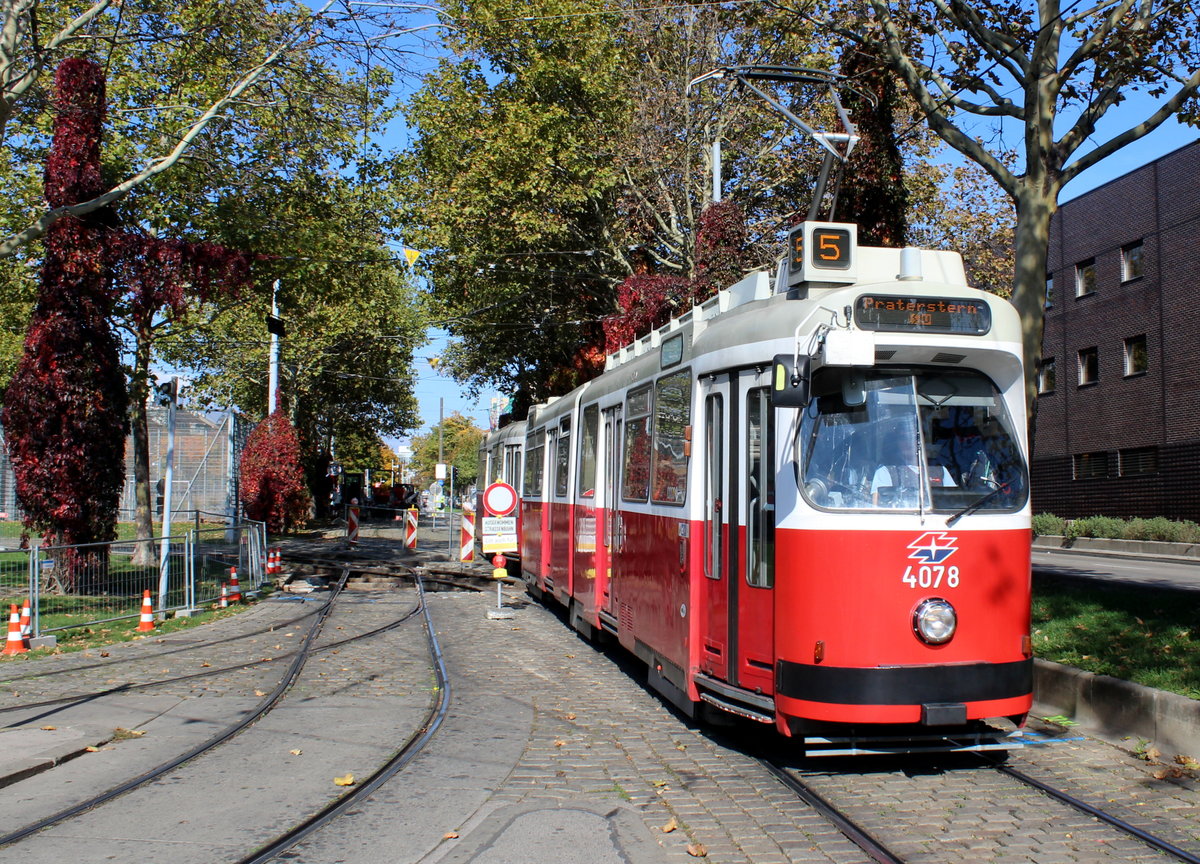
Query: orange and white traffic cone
x=15 y=644
x=223 y=603
x=26 y=621
x=235 y=592
x=146 y=623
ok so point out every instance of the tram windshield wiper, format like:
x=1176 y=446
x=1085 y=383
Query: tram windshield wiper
x=971 y=508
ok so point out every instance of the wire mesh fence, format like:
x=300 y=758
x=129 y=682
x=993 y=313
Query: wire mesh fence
x=84 y=585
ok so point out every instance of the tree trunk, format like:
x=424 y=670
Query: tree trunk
x=1035 y=207
x=139 y=391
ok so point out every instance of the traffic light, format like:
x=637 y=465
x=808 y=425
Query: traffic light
x=166 y=391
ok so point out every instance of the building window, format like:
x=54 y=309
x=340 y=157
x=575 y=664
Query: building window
x=1089 y=466
x=1046 y=376
x=1049 y=291
x=1137 y=460
x=1085 y=277
x=1136 y=359
x=1131 y=261
x=1089 y=366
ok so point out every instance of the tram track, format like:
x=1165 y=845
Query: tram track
x=413 y=743
x=399 y=759
x=38 y=674
x=208 y=744
x=129 y=687
x=858 y=829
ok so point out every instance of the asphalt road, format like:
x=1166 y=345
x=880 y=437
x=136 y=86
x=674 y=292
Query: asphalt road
x=1145 y=570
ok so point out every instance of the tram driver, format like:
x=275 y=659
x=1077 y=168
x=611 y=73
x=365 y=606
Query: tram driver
x=899 y=479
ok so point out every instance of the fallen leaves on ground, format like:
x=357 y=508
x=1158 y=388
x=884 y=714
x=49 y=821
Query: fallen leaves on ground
x=697 y=850
x=296 y=752
x=347 y=780
x=49 y=728
x=670 y=826
x=450 y=835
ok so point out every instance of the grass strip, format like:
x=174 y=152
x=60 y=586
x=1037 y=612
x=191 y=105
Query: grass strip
x=1141 y=634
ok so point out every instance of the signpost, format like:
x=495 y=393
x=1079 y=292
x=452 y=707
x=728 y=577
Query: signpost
x=499 y=525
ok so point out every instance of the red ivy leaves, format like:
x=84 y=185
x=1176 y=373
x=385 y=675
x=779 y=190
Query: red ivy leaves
x=650 y=300
x=272 y=480
x=73 y=167
x=157 y=273
x=64 y=411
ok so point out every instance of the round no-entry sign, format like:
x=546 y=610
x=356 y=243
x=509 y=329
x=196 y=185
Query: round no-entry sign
x=499 y=499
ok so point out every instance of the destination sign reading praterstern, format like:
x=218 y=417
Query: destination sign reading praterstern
x=923 y=314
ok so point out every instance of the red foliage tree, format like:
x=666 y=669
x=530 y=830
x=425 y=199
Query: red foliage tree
x=64 y=411
x=646 y=301
x=158 y=280
x=650 y=300
x=272 y=479
x=721 y=239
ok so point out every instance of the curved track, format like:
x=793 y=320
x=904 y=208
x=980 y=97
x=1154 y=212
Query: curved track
x=299 y=658
x=410 y=748
x=859 y=830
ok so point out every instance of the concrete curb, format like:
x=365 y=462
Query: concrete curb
x=1181 y=552
x=1115 y=710
x=26 y=752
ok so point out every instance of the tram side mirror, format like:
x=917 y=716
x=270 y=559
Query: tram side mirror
x=789 y=382
x=854 y=389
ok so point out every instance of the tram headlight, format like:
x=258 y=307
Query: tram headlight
x=935 y=620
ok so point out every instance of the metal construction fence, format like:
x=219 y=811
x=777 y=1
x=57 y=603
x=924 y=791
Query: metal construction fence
x=96 y=583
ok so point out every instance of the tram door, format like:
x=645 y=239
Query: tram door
x=610 y=529
x=715 y=647
x=737 y=644
x=752 y=612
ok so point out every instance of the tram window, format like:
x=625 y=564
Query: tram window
x=851 y=458
x=635 y=468
x=760 y=557
x=587 y=451
x=535 y=447
x=672 y=417
x=714 y=483
x=562 y=458
x=512 y=465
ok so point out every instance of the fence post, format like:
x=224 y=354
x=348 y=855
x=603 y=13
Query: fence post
x=34 y=594
x=190 y=586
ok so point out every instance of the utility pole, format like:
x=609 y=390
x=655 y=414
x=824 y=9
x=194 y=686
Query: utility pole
x=716 y=170
x=273 y=368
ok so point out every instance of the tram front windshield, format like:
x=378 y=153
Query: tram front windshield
x=861 y=434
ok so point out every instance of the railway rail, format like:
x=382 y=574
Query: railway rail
x=307 y=650
x=859 y=830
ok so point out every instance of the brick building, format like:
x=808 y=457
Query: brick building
x=1118 y=416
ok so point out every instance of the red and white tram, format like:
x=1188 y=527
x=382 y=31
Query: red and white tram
x=803 y=502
